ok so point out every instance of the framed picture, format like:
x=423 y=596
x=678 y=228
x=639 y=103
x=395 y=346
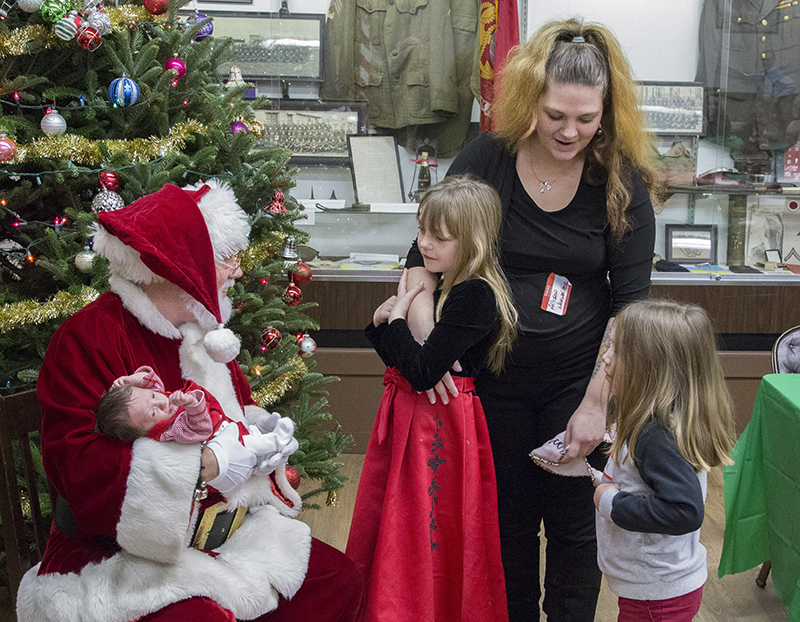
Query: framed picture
x=375 y=165
x=671 y=108
x=315 y=131
x=267 y=46
x=691 y=244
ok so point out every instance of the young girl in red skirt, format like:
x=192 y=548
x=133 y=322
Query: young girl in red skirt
x=425 y=529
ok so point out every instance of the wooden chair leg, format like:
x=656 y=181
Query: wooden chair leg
x=761 y=579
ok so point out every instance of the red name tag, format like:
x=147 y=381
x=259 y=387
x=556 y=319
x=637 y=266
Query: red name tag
x=556 y=294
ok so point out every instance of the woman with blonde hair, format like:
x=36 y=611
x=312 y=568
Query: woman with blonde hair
x=425 y=529
x=570 y=164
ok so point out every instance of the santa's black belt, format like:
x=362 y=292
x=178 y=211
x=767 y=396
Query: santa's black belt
x=216 y=524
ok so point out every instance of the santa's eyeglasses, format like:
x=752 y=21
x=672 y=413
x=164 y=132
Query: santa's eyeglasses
x=232 y=263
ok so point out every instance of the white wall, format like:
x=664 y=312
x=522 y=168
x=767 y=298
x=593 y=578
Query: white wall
x=659 y=37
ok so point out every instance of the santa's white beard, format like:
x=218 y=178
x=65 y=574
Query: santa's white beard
x=204 y=317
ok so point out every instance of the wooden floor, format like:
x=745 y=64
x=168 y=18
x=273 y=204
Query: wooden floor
x=732 y=598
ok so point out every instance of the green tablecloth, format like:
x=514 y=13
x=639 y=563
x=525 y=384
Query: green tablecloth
x=762 y=491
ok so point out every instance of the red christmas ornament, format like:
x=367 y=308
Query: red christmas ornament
x=300 y=274
x=109 y=180
x=156 y=7
x=277 y=205
x=175 y=63
x=89 y=39
x=292 y=296
x=293 y=476
x=271 y=337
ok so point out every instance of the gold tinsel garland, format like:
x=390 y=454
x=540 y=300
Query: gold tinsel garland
x=16 y=314
x=274 y=390
x=84 y=151
x=18 y=42
x=254 y=255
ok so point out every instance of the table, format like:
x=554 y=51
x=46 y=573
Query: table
x=762 y=491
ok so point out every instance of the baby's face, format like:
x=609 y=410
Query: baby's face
x=147 y=408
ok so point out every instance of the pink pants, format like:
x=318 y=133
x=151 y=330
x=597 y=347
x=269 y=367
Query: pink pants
x=679 y=609
x=333 y=591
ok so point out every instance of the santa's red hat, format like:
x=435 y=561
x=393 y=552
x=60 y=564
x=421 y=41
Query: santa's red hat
x=178 y=234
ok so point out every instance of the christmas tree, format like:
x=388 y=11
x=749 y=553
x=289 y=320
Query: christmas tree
x=102 y=105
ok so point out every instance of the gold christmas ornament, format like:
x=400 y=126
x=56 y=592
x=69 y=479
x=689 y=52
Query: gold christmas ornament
x=333 y=499
x=257 y=129
x=16 y=314
x=235 y=78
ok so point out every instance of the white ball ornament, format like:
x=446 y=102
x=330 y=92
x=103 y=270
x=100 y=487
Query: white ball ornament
x=307 y=345
x=84 y=259
x=53 y=123
x=30 y=6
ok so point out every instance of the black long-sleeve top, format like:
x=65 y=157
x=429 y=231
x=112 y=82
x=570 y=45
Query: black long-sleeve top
x=465 y=333
x=574 y=242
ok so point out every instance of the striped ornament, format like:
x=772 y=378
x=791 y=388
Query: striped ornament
x=123 y=92
x=67 y=27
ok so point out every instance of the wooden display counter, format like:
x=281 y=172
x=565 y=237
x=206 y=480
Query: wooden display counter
x=745 y=306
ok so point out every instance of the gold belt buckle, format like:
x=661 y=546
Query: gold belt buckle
x=216 y=525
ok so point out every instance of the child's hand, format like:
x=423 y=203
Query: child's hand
x=400 y=309
x=381 y=314
x=179 y=398
x=134 y=379
x=598 y=492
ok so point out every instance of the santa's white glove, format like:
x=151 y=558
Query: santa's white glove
x=267 y=422
x=273 y=447
x=236 y=461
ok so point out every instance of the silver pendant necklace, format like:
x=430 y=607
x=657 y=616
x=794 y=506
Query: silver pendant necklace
x=544 y=185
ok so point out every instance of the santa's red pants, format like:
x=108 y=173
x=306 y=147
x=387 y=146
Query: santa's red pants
x=332 y=591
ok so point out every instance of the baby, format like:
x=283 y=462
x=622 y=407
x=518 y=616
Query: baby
x=138 y=405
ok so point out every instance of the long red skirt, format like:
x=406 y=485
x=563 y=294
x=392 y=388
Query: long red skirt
x=425 y=530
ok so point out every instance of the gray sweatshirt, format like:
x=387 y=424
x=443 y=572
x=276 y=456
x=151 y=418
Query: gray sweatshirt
x=648 y=532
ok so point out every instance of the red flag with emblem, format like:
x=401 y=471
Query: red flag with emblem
x=499 y=32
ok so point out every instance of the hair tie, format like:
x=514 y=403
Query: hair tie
x=578 y=40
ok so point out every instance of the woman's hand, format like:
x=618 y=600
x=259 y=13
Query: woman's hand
x=585 y=431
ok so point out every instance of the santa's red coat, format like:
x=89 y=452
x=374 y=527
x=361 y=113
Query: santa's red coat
x=133 y=502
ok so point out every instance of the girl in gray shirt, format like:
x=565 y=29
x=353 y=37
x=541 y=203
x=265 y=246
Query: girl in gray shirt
x=673 y=417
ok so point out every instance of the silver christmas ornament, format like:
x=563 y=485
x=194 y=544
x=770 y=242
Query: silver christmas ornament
x=100 y=21
x=84 y=259
x=53 y=123
x=106 y=201
x=235 y=78
x=29 y=6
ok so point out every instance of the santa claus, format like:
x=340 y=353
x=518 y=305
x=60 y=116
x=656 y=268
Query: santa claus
x=125 y=540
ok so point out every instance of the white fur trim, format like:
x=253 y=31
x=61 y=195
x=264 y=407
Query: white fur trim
x=267 y=556
x=257 y=491
x=159 y=500
x=123 y=261
x=228 y=226
x=142 y=308
x=222 y=345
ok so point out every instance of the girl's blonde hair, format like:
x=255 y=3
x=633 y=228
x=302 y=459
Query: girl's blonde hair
x=467 y=209
x=552 y=56
x=666 y=367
